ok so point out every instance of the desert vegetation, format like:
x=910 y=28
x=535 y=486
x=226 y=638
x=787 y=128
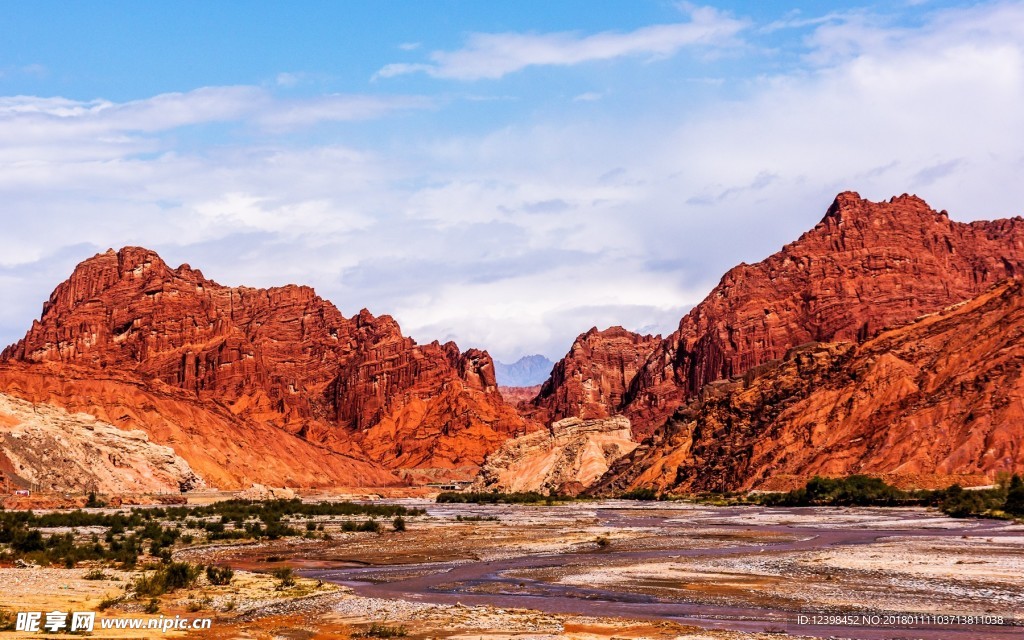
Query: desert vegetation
x=1005 y=499
x=151 y=534
x=496 y=497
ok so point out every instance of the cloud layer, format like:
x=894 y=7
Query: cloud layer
x=493 y=55
x=517 y=234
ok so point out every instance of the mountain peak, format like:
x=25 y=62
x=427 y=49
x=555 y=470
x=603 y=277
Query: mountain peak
x=525 y=372
x=849 y=205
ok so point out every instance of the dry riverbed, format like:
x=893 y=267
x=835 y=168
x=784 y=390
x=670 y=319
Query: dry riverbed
x=561 y=571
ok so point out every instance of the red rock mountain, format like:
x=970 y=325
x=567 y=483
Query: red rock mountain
x=864 y=267
x=937 y=401
x=590 y=382
x=280 y=362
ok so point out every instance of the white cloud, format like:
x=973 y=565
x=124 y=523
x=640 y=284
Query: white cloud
x=285 y=79
x=345 y=108
x=34 y=120
x=518 y=239
x=493 y=55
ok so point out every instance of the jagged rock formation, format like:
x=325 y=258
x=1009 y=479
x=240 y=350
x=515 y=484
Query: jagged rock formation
x=48 y=447
x=928 y=403
x=565 y=459
x=282 y=360
x=591 y=380
x=527 y=371
x=864 y=267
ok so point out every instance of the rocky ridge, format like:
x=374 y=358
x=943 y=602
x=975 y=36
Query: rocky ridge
x=927 y=404
x=866 y=266
x=591 y=381
x=228 y=450
x=281 y=361
x=524 y=372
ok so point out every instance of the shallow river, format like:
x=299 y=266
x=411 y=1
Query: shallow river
x=512 y=581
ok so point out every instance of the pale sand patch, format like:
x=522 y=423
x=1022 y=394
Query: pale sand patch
x=1001 y=560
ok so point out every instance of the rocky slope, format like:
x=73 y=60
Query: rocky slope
x=928 y=403
x=591 y=380
x=226 y=449
x=564 y=459
x=281 y=362
x=517 y=396
x=47 y=447
x=864 y=267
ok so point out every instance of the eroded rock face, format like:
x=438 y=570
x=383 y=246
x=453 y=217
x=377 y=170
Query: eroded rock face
x=926 y=404
x=48 y=447
x=517 y=396
x=590 y=382
x=564 y=459
x=282 y=358
x=864 y=267
x=228 y=450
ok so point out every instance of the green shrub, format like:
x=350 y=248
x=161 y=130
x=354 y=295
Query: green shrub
x=377 y=630
x=398 y=524
x=219 y=575
x=493 y=497
x=641 y=494
x=170 y=577
x=855 y=490
x=109 y=601
x=285 y=577
x=1015 y=497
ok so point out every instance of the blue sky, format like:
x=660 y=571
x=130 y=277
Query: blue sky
x=505 y=174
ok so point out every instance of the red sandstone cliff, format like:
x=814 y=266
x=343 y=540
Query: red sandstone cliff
x=280 y=362
x=927 y=404
x=864 y=267
x=590 y=382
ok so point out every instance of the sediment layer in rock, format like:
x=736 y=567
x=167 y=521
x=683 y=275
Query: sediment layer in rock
x=930 y=403
x=46 y=447
x=564 y=459
x=866 y=266
x=278 y=364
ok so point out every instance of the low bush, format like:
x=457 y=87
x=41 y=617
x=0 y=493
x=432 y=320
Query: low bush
x=1015 y=497
x=377 y=630
x=641 y=494
x=109 y=601
x=170 y=577
x=285 y=577
x=494 y=497
x=219 y=575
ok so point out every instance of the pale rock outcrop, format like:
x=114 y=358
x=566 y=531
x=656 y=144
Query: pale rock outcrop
x=567 y=458
x=261 y=492
x=56 y=450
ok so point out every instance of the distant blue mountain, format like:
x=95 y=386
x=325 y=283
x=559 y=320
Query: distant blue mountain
x=524 y=372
